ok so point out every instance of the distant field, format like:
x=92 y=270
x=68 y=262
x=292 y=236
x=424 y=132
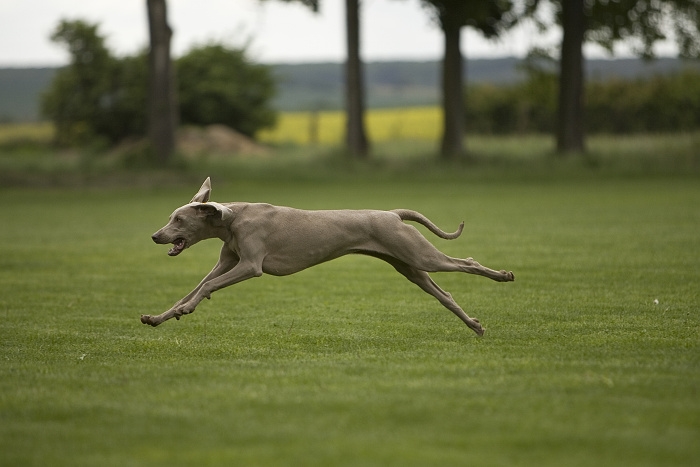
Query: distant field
x=16 y=133
x=408 y=123
x=327 y=127
x=591 y=357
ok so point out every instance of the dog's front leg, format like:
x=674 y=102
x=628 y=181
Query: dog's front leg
x=227 y=261
x=239 y=273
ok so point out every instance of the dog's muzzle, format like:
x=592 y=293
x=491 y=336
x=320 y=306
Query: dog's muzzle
x=179 y=244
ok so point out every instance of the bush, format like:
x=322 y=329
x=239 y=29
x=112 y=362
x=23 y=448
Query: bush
x=84 y=96
x=661 y=104
x=99 y=97
x=217 y=84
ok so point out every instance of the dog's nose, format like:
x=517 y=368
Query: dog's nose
x=155 y=237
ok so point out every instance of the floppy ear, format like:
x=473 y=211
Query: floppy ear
x=202 y=195
x=214 y=211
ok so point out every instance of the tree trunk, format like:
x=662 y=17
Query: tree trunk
x=162 y=107
x=452 y=93
x=356 y=138
x=570 y=132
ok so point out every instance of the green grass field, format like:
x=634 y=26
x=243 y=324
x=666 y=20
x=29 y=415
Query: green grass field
x=348 y=363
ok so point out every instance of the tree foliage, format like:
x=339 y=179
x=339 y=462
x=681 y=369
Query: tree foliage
x=489 y=17
x=663 y=103
x=85 y=96
x=100 y=96
x=218 y=84
x=312 y=4
x=640 y=23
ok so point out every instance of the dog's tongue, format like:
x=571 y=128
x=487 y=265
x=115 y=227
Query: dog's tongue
x=178 y=246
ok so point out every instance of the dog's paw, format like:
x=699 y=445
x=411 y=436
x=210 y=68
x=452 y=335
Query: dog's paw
x=148 y=319
x=508 y=276
x=476 y=326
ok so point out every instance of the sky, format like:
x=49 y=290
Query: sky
x=274 y=31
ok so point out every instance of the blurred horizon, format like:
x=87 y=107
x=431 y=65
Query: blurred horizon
x=305 y=86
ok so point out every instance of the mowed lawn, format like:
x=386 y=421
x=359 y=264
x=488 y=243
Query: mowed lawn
x=591 y=357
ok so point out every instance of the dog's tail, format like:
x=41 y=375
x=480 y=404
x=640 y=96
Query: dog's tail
x=408 y=215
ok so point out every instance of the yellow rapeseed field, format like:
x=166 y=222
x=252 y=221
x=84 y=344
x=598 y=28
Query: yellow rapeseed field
x=38 y=132
x=302 y=128
x=328 y=127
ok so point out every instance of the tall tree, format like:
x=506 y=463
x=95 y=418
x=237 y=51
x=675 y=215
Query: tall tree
x=355 y=135
x=640 y=23
x=162 y=108
x=490 y=18
x=356 y=140
x=569 y=127
x=162 y=102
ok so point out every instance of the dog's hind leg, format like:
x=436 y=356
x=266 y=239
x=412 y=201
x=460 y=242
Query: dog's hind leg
x=436 y=261
x=425 y=282
x=472 y=267
x=409 y=246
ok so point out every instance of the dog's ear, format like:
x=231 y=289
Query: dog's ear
x=214 y=211
x=202 y=195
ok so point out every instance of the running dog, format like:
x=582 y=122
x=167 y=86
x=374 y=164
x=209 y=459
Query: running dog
x=262 y=238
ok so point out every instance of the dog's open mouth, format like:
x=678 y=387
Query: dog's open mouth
x=178 y=245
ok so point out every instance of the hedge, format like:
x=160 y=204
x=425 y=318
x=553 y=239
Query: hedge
x=664 y=103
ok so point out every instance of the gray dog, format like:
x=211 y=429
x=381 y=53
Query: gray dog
x=261 y=238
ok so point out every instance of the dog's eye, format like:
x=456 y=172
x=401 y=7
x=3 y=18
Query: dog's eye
x=177 y=219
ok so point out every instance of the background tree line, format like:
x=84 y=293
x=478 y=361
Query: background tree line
x=606 y=22
x=661 y=103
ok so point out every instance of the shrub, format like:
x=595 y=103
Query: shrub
x=83 y=95
x=664 y=103
x=104 y=98
x=217 y=84
x=660 y=104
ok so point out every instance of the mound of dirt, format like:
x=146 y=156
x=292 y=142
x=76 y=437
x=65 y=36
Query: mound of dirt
x=218 y=140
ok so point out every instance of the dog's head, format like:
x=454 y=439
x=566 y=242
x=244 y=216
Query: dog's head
x=198 y=220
